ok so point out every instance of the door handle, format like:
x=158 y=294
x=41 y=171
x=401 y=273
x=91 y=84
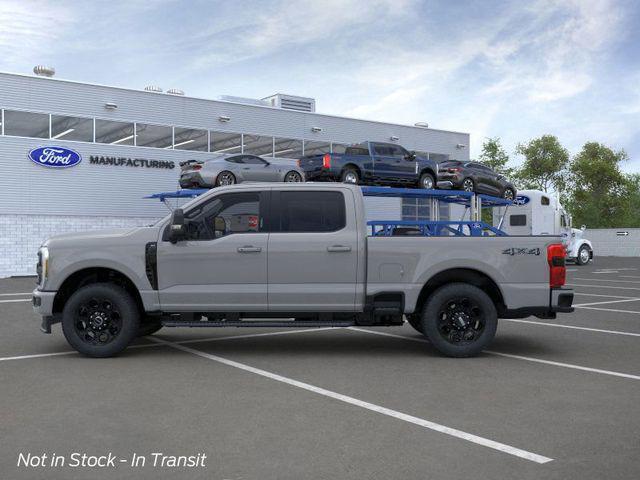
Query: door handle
x=249 y=249
x=338 y=248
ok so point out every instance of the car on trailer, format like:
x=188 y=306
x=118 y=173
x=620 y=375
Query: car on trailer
x=231 y=169
x=476 y=177
x=372 y=163
x=300 y=252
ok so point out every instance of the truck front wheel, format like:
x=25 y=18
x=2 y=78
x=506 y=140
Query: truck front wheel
x=584 y=255
x=100 y=320
x=459 y=319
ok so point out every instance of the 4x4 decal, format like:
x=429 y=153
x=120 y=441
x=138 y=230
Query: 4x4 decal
x=521 y=251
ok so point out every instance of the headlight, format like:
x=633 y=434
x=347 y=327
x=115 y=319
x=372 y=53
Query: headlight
x=43 y=265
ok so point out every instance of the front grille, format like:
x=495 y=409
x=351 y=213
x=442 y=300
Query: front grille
x=39 y=269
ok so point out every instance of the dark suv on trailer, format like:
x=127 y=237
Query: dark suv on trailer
x=475 y=177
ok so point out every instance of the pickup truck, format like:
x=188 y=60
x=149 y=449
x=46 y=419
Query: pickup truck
x=290 y=255
x=369 y=163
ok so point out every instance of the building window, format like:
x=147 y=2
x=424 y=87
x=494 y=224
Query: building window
x=257 y=145
x=438 y=157
x=226 y=142
x=157 y=136
x=287 y=148
x=71 y=128
x=26 y=124
x=316 y=148
x=190 y=139
x=115 y=133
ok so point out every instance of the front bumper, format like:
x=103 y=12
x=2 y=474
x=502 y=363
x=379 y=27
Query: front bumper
x=192 y=179
x=560 y=301
x=42 y=302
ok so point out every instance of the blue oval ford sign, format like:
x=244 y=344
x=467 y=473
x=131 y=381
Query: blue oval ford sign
x=55 y=157
x=521 y=200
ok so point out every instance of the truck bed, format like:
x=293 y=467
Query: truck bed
x=517 y=265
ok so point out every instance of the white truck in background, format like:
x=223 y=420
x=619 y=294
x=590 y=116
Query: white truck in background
x=535 y=212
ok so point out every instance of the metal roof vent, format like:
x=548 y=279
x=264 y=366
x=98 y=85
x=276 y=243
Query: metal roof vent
x=175 y=91
x=153 y=88
x=422 y=124
x=292 y=102
x=43 y=71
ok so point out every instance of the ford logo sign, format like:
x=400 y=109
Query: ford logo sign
x=55 y=157
x=521 y=200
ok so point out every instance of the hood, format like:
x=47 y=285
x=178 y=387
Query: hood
x=103 y=236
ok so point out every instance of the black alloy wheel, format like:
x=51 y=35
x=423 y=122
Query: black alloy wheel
x=468 y=185
x=293 y=177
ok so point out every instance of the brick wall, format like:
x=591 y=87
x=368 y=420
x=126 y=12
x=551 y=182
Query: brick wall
x=22 y=235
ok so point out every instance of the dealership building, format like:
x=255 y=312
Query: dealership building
x=128 y=143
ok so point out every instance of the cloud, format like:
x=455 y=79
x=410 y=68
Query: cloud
x=30 y=29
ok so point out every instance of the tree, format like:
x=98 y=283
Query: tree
x=545 y=164
x=599 y=193
x=494 y=156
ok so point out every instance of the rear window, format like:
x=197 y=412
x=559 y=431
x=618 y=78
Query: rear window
x=544 y=200
x=357 y=151
x=312 y=211
x=518 y=220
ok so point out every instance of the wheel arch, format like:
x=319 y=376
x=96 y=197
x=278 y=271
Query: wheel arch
x=461 y=275
x=87 y=276
x=430 y=171
x=354 y=166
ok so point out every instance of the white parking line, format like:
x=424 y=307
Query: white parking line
x=180 y=342
x=600 y=295
x=607 y=280
x=469 y=437
x=16 y=300
x=573 y=327
x=603 y=286
x=611 y=310
x=14 y=294
x=509 y=355
x=608 y=301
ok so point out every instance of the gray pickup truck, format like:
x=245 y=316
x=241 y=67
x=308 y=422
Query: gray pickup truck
x=299 y=255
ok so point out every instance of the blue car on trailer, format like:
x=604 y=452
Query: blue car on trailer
x=373 y=163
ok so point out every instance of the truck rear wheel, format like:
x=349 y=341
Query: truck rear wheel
x=100 y=320
x=350 y=175
x=459 y=319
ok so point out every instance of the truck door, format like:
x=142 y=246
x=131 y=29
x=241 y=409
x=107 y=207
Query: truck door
x=313 y=251
x=222 y=264
x=390 y=163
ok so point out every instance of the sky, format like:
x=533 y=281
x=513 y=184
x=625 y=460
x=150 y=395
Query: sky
x=509 y=69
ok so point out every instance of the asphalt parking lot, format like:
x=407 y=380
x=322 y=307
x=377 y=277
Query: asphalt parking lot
x=552 y=399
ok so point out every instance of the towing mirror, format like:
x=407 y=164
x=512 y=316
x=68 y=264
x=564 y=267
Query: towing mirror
x=410 y=156
x=177 y=230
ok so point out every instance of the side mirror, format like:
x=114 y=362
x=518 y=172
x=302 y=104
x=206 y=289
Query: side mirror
x=410 y=156
x=177 y=229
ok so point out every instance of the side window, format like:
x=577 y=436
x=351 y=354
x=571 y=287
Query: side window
x=312 y=211
x=238 y=159
x=397 y=151
x=225 y=215
x=382 y=150
x=253 y=160
x=518 y=220
x=544 y=200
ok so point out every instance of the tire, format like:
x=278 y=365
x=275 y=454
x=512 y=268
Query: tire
x=427 y=182
x=468 y=185
x=584 y=255
x=508 y=194
x=100 y=320
x=225 y=178
x=293 y=177
x=467 y=302
x=350 y=175
x=415 y=321
x=148 y=327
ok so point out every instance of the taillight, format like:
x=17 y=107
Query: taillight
x=326 y=161
x=298 y=162
x=196 y=167
x=557 y=270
